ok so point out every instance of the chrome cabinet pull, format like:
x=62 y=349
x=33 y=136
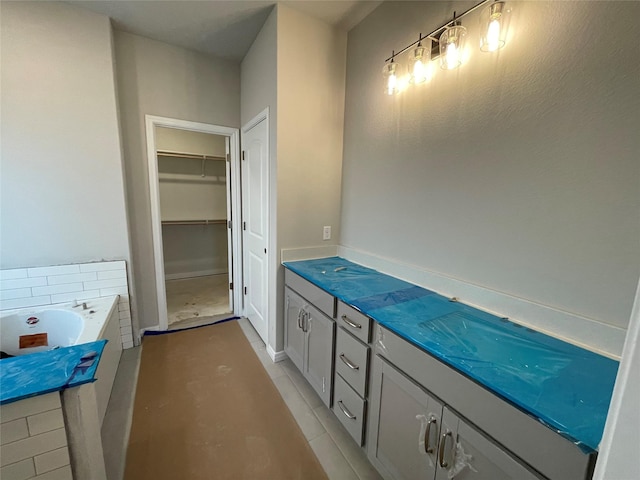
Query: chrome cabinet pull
x=427 y=435
x=300 y=319
x=346 y=412
x=348 y=362
x=443 y=442
x=350 y=322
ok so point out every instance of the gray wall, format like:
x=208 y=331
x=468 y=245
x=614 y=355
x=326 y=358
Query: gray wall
x=159 y=79
x=519 y=171
x=62 y=193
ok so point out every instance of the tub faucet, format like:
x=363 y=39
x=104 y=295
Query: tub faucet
x=76 y=304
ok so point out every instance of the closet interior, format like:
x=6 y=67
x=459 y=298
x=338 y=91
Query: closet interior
x=193 y=185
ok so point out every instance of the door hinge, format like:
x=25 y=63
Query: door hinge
x=242 y=154
x=231 y=286
x=245 y=290
x=229 y=224
x=244 y=225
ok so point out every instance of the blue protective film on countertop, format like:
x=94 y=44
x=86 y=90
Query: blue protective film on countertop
x=44 y=372
x=566 y=387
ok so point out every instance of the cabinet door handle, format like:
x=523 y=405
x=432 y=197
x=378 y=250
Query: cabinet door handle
x=300 y=319
x=350 y=322
x=427 y=435
x=306 y=321
x=348 y=362
x=346 y=412
x=443 y=442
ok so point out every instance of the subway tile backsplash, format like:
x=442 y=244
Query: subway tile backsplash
x=37 y=286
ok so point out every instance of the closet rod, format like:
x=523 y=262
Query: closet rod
x=167 y=153
x=194 y=222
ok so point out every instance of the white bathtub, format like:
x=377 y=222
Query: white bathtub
x=66 y=325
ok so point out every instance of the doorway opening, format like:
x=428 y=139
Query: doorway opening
x=194 y=187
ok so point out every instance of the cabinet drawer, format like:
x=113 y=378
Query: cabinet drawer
x=352 y=361
x=354 y=322
x=315 y=295
x=349 y=408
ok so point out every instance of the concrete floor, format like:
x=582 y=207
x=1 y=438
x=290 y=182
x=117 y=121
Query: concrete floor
x=189 y=298
x=338 y=454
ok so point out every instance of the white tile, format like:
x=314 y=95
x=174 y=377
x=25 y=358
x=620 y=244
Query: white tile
x=25 y=302
x=72 y=278
x=57 y=289
x=109 y=274
x=123 y=305
x=13 y=431
x=22 y=283
x=127 y=338
x=124 y=314
x=107 y=292
x=127 y=344
x=13 y=273
x=19 y=471
x=63 y=473
x=125 y=330
x=115 y=282
x=15 y=293
x=32 y=446
x=30 y=406
x=52 y=460
x=69 y=297
x=102 y=266
x=55 y=270
x=333 y=462
x=45 y=422
x=125 y=322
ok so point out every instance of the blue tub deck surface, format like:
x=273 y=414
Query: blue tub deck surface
x=564 y=386
x=35 y=374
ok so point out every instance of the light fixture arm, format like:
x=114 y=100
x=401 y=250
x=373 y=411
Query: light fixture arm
x=435 y=35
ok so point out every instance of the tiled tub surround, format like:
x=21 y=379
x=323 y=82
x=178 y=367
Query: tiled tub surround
x=28 y=287
x=565 y=387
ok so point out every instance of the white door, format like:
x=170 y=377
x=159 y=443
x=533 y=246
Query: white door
x=255 y=191
x=230 y=211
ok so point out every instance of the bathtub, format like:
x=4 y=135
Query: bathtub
x=44 y=328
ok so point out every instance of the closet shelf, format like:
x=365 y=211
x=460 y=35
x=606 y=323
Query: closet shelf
x=185 y=177
x=195 y=222
x=168 y=153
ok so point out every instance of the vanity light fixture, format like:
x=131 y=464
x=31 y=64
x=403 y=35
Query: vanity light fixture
x=493 y=25
x=448 y=43
x=419 y=64
x=452 y=45
x=391 y=72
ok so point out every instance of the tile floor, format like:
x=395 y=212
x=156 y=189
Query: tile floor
x=338 y=454
x=188 y=298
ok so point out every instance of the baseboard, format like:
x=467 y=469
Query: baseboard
x=199 y=273
x=276 y=356
x=307 y=253
x=570 y=327
x=155 y=328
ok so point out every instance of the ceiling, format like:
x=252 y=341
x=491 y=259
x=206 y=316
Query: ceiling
x=221 y=28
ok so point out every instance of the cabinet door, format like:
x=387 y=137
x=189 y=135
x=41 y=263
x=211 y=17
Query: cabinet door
x=293 y=333
x=404 y=426
x=466 y=454
x=319 y=352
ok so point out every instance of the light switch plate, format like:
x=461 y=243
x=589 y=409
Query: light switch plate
x=326 y=233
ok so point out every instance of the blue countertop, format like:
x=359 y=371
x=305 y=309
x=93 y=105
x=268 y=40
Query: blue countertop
x=26 y=376
x=566 y=387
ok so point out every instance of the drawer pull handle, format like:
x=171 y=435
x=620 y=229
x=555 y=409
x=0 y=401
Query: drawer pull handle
x=346 y=412
x=350 y=322
x=427 y=435
x=443 y=442
x=348 y=362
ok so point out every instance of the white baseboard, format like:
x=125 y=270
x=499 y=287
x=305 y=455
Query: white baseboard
x=199 y=273
x=307 y=253
x=570 y=327
x=276 y=356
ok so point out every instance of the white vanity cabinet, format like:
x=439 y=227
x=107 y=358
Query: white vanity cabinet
x=414 y=395
x=309 y=336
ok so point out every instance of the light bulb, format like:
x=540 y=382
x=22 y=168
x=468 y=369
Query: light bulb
x=452 y=56
x=493 y=36
x=392 y=84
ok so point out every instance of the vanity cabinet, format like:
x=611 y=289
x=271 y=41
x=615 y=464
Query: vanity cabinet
x=414 y=436
x=309 y=341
